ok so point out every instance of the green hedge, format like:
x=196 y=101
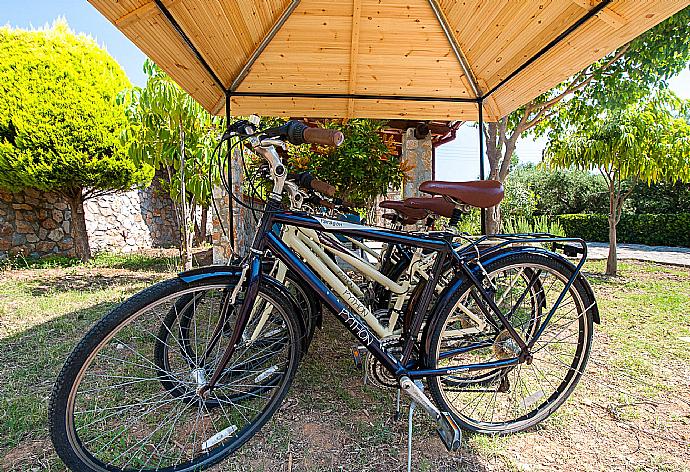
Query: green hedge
x=654 y=230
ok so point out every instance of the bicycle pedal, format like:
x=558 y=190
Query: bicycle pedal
x=449 y=432
x=358 y=353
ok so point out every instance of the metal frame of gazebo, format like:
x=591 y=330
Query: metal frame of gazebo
x=479 y=99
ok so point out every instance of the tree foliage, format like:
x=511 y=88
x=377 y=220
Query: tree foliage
x=625 y=76
x=160 y=115
x=556 y=191
x=170 y=131
x=59 y=121
x=362 y=168
x=644 y=142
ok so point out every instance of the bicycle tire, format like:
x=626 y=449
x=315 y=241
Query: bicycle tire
x=535 y=403
x=71 y=435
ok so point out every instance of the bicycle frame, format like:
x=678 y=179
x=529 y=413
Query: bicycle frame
x=265 y=239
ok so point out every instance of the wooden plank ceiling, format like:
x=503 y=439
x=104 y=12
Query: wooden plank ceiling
x=351 y=48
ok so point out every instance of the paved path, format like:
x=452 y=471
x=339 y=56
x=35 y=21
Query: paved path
x=679 y=256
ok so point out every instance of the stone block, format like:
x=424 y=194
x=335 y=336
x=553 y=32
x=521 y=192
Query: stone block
x=16 y=250
x=22 y=206
x=32 y=193
x=18 y=239
x=57 y=216
x=56 y=234
x=66 y=226
x=32 y=238
x=32 y=201
x=49 y=224
x=5 y=244
x=61 y=206
x=66 y=245
x=42 y=233
x=23 y=227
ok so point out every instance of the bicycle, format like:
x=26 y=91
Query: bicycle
x=501 y=348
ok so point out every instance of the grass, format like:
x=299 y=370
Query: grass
x=630 y=412
x=102 y=260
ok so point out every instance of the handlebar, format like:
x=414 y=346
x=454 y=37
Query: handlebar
x=323 y=136
x=308 y=181
x=298 y=133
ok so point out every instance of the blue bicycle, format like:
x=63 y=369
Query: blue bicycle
x=498 y=330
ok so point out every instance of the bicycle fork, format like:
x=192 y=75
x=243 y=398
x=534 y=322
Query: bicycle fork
x=253 y=273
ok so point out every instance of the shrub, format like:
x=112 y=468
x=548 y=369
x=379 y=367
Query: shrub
x=554 y=192
x=650 y=229
x=364 y=167
x=539 y=224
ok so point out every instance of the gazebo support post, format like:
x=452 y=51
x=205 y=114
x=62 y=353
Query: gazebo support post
x=482 y=176
x=228 y=157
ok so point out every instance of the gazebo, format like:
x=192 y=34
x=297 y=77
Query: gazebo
x=413 y=59
x=449 y=60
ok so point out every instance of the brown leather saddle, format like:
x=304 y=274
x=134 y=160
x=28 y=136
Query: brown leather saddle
x=436 y=205
x=407 y=215
x=480 y=193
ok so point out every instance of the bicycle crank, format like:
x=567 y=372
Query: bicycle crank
x=447 y=429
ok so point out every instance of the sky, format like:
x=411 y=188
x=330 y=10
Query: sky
x=455 y=161
x=82 y=18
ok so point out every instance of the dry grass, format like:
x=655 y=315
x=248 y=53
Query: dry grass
x=631 y=411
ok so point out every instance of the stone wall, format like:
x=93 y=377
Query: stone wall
x=127 y=222
x=37 y=224
x=34 y=224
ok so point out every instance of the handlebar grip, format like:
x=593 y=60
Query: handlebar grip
x=322 y=187
x=323 y=136
x=343 y=203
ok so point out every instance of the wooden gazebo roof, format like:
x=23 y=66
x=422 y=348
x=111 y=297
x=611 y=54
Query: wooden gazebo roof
x=412 y=59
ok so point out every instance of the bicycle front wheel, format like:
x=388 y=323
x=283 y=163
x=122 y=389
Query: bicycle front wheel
x=526 y=288
x=113 y=407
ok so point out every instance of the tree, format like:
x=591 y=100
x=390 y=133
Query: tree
x=170 y=131
x=644 y=142
x=624 y=76
x=59 y=121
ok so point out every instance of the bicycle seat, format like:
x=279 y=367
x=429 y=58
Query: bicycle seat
x=409 y=215
x=437 y=205
x=400 y=218
x=480 y=193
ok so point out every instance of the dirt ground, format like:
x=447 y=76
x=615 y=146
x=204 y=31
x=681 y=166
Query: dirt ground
x=630 y=412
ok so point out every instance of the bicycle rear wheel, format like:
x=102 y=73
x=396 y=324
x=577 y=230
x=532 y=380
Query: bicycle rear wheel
x=110 y=409
x=503 y=400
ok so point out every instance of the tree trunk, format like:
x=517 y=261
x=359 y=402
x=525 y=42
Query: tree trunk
x=500 y=146
x=78 y=226
x=200 y=228
x=186 y=226
x=612 y=261
x=493 y=220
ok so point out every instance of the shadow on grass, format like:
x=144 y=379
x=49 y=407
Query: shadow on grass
x=87 y=282
x=29 y=364
x=331 y=420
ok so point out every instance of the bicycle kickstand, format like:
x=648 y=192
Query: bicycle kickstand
x=447 y=429
x=413 y=404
